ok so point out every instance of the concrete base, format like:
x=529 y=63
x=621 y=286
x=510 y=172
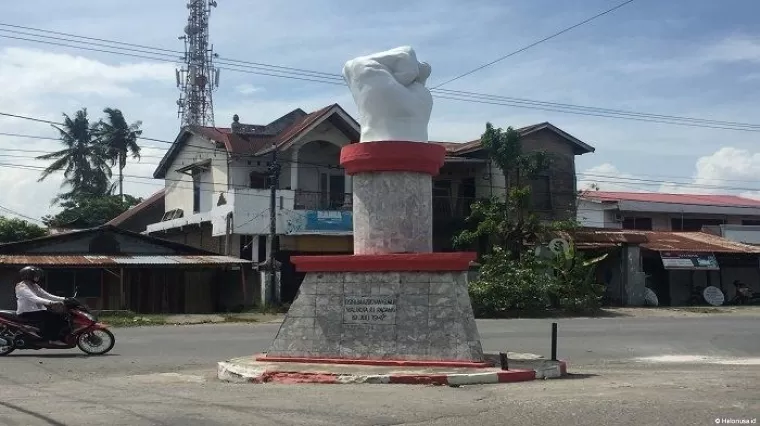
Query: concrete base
x=382 y=316
x=249 y=370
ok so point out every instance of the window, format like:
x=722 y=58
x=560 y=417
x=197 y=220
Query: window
x=750 y=222
x=196 y=192
x=692 y=225
x=260 y=180
x=640 y=223
x=540 y=193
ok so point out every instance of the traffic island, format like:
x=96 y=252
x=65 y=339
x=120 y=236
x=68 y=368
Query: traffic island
x=261 y=369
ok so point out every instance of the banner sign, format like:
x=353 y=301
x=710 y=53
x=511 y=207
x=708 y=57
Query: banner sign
x=689 y=261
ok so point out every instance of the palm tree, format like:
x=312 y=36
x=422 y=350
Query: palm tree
x=119 y=139
x=83 y=162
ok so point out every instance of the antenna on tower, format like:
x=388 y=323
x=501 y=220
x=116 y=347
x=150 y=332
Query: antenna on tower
x=197 y=78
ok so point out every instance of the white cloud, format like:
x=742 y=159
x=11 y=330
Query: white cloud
x=727 y=171
x=30 y=72
x=607 y=177
x=247 y=89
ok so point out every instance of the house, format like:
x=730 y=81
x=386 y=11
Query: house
x=217 y=194
x=734 y=217
x=673 y=264
x=468 y=174
x=116 y=269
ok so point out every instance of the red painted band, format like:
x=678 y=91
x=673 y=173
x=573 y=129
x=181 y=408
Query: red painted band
x=516 y=376
x=392 y=156
x=419 y=379
x=376 y=362
x=412 y=262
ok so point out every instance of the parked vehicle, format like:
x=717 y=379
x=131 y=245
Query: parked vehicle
x=85 y=332
x=745 y=295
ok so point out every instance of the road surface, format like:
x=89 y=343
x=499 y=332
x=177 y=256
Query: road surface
x=165 y=376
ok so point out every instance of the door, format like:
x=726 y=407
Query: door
x=337 y=192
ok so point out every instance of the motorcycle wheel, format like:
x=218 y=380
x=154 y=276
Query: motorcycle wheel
x=7 y=349
x=96 y=342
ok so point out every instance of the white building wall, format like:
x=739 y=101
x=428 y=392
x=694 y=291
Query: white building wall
x=179 y=186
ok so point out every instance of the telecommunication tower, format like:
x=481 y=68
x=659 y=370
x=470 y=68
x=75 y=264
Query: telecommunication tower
x=197 y=78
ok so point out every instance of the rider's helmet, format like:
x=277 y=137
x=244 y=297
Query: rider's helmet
x=31 y=273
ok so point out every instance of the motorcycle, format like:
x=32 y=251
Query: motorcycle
x=84 y=331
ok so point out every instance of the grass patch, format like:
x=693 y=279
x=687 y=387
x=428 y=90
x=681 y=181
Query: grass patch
x=133 y=320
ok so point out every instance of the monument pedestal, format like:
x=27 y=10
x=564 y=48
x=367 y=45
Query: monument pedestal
x=382 y=307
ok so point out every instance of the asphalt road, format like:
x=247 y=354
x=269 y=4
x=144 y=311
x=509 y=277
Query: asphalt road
x=131 y=386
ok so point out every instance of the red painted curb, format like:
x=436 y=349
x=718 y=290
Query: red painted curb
x=392 y=156
x=411 y=262
x=516 y=376
x=420 y=379
x=376 y=362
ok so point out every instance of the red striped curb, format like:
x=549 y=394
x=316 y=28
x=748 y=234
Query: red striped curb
x=237 y=372
x=376 y=362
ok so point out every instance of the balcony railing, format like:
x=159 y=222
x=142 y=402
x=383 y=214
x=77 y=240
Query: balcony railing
x=447 y=207
x=308 y=200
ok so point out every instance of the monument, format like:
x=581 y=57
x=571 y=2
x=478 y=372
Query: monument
x=393 y=299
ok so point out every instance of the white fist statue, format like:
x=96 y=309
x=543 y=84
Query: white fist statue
x=390 y=93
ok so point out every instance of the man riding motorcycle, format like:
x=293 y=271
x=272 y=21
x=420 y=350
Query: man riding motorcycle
x=37 y=306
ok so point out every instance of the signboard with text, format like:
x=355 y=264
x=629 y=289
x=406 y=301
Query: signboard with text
x=689 y=261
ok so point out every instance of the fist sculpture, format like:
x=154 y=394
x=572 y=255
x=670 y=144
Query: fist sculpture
x=390 y=93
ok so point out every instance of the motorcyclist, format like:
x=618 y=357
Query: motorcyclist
x=37 y=306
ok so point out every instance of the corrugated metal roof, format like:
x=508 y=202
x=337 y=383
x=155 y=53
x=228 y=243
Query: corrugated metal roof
x=664 y=241
x=694 y=242
x=100 y=260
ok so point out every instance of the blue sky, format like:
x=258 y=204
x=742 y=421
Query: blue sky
x=697 y=58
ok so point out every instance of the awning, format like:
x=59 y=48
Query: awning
x=119 y=261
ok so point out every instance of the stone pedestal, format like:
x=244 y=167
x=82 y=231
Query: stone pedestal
x=384 y=312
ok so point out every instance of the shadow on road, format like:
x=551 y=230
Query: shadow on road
x=571 y=376
x=54 y=356
x=31 y=413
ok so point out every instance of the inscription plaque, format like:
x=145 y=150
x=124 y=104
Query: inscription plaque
x=369 y=310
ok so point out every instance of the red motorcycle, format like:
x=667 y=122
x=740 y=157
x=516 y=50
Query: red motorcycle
x=85 y=332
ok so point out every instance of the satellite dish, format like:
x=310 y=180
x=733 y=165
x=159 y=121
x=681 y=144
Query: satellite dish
x=650 y=298
x=713 y=296
x=559 y=246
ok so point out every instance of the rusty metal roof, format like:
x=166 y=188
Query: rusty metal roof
x=694 y=242
x=120 y=261
x=662 y=241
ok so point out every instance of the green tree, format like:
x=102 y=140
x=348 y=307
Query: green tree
x=515 y=275
x=91 y=212
x=12 y=230
x=508 y=222
x=119 y=139
x=84 y=162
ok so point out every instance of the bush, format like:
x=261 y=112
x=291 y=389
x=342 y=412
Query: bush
x=533 y=284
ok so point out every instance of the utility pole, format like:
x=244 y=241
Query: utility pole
x=274 y=179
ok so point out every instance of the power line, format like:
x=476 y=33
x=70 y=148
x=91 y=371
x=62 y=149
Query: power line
x=202 y=148
x=20 y=214
x=462 y=96
x=536 y=43
x=597 y=178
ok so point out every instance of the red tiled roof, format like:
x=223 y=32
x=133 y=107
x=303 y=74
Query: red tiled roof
x=253 y=144
x=655 y=197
